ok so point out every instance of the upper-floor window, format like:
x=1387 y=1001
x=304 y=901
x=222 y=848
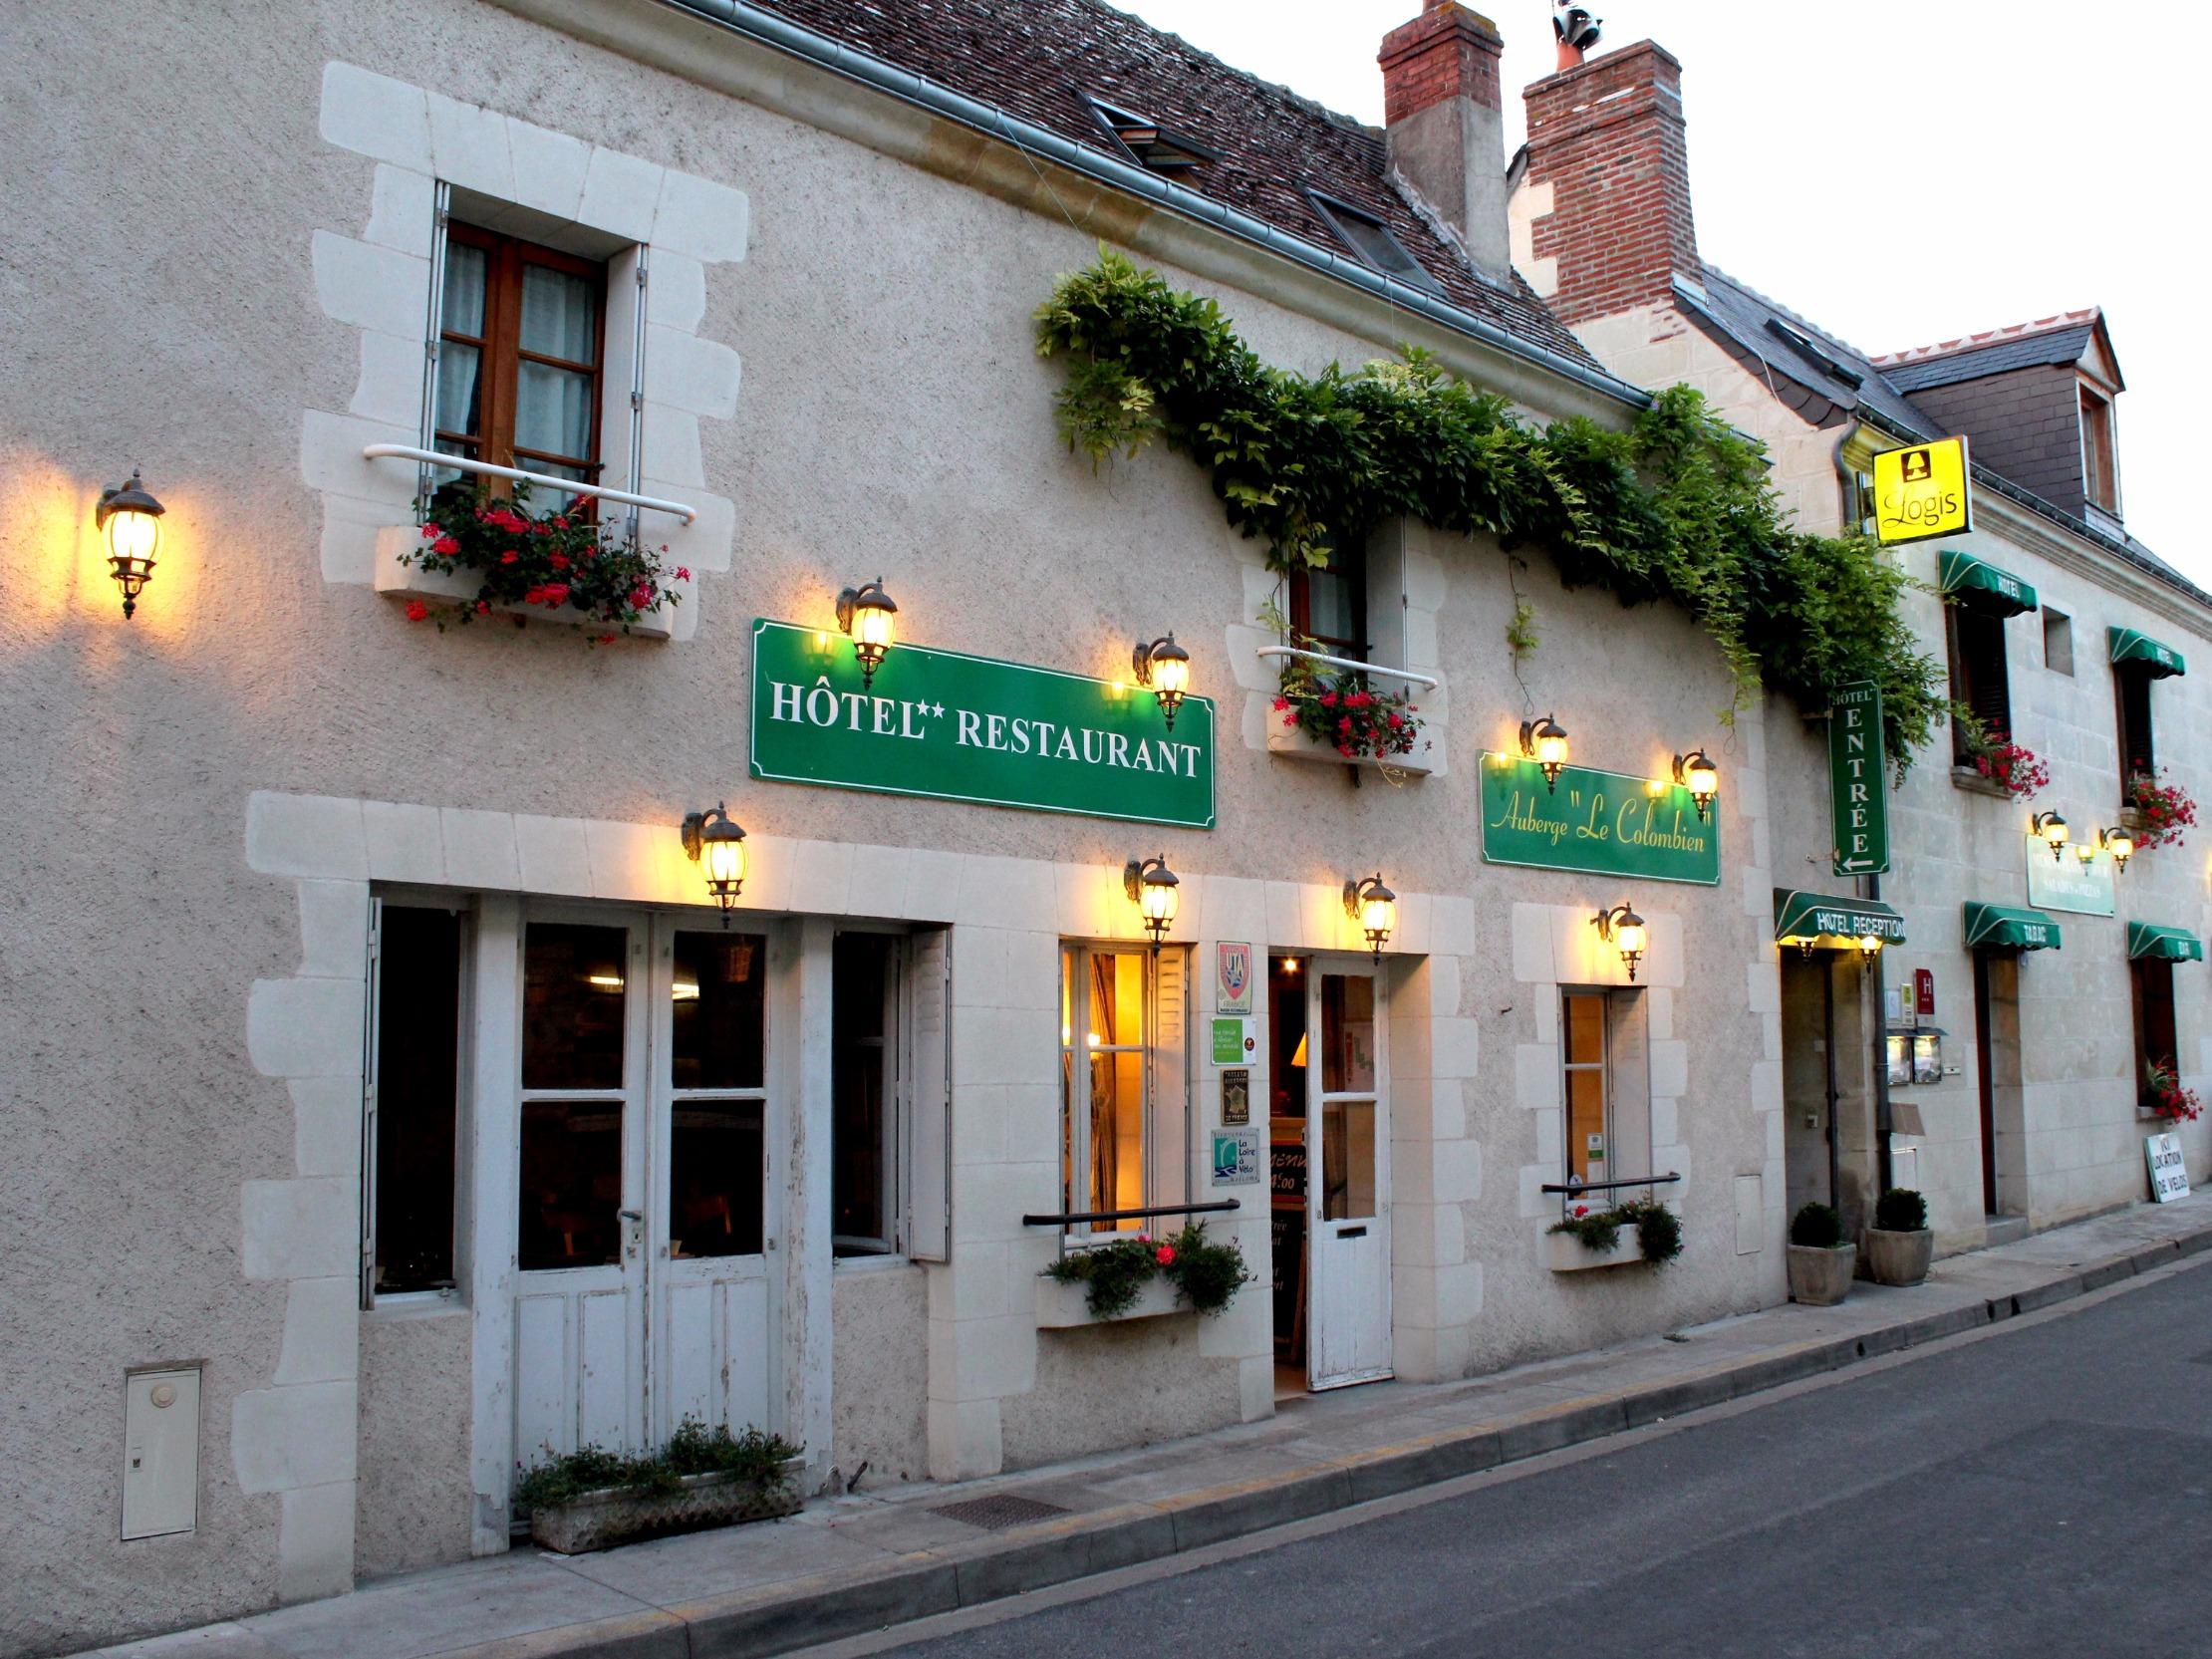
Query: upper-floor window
x=1328 y=605
x=520 y=351
x=2099 y=468
x=2058 y=640
x=2137 y=758
x=1978 y=677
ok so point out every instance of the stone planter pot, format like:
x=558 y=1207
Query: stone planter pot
x=449 y=587
x=1066 y=1306
x=1566 y=1254
x=602 y=1519
x=1899 y=1257
x=1821 y=1277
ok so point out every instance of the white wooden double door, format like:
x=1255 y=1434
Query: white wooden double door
x=646 y=1204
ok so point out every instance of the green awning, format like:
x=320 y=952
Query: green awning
x=2132 y=646
x=2149 y=938
x=1802 y=917
x=1981 y=583
x=2013 y=926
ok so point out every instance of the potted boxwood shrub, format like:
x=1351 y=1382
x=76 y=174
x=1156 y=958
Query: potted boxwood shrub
x=593 y=1499
x=1821 y=1262
x=1899 y=1245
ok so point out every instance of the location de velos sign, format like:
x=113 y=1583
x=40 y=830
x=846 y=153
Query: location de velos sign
x=1922 y=492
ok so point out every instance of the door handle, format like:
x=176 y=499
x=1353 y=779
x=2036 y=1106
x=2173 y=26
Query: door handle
x=631 y=1215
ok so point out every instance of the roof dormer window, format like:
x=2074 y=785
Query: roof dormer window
x=2099 y=466
x=1372 y=241
x=1149 y=143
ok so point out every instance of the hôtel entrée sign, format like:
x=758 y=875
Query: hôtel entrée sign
x=968 y=729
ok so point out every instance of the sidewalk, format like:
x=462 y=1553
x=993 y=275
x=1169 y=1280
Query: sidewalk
x=857 y=1563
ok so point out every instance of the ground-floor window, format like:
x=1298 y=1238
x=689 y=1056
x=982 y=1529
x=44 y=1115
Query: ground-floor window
x=414 y=1098
x=1606 y=1085
x=2157 y=1043
x=864 y=1096
x=1123 y=1095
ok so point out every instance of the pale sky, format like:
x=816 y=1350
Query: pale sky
x=1900 y=171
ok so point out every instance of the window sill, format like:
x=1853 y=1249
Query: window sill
x=1566 y=1254
x=2132 y=819
x=1971 y=781
x=458 y=587
x=1068 y=1307
x=1292 y=745
x=417 y=1305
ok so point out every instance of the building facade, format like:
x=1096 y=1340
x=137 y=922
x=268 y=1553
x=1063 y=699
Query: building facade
x=454 y=1118
x=2063 y=635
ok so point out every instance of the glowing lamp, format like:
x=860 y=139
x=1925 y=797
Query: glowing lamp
x=1695 y=772
x=132 y=521
x=1374 y=907
x=1153 y=889
x=1163 y=668
x=2052 y=829
x=865 y=612
x=1626 y=931
x=716 y=843
x=1546 y=743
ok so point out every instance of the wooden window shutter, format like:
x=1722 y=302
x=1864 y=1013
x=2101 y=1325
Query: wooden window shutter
x=929 y=1099
x=1173 y=1120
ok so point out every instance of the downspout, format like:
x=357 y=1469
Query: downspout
x=1884 y=1169
x=766 y=29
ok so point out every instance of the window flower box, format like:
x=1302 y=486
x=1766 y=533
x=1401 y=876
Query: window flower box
x=603 y=1520
x=1293 y=744
x=1066 y=1306
x=452 y=588
x=1563 y=1253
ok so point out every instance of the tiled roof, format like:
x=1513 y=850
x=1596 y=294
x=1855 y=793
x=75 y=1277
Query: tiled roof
x=1036 y=61
x=1915 y=371
x=2065 y=320
x=1808 y=376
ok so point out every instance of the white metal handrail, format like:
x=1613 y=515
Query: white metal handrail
x=461 y=464
x=1348 y=663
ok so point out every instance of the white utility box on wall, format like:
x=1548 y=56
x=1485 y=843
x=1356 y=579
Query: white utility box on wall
x=161 y=1453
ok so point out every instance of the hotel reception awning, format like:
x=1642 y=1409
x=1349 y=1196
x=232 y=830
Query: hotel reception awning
x=2015 y=927
x=2149 y=938
x=2132 y=646
x=1981 y=583
x=1802 y=917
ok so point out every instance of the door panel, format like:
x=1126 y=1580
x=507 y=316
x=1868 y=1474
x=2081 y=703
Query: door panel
x=1348 y=1189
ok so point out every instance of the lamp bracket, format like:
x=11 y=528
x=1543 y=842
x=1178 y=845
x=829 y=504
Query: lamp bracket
x=846 y=598
x=1133 y=878
x=694 y=829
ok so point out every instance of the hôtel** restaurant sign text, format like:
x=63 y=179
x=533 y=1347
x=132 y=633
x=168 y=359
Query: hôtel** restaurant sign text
x=956 y=727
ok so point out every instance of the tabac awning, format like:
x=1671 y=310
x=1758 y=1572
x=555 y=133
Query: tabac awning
x=1802 y=918
x=1980 y=583
x=2149 y=938
x=2132 y=646
x=2012 y=925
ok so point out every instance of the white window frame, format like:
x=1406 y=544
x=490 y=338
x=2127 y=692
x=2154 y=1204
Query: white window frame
x=1164 y=1167
x=899 y=1070
x=1621 y=1003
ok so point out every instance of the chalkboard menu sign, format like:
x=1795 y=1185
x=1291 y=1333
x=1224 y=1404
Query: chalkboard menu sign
x=1286 y=1179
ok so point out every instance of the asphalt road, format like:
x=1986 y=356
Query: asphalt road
x=2046 y=1491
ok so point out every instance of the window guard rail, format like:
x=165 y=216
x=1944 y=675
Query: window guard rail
x=1067 y=1218
x=571 y=486
x=1572 y=1187
x=1347 y=663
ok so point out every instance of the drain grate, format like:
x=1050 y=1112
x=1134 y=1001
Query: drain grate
x=995 y=1513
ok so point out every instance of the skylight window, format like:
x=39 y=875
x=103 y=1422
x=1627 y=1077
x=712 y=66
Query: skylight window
x=1371 y=240
x=1148 y=142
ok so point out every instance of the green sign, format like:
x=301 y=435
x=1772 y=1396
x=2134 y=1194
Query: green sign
x=1605 y=822
x=2066 y=883
x=968 y=728
x=1859 y=797
x=1230 y=1038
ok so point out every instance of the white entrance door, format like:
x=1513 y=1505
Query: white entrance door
x=643 y=1218
x=1348 y=1186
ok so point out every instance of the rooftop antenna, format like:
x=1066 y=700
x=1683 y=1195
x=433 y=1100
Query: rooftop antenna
x=1576 y=29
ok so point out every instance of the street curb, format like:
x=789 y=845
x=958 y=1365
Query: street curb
x=773 y=1619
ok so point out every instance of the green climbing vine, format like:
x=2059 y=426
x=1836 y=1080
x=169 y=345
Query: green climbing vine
x=1676 y=508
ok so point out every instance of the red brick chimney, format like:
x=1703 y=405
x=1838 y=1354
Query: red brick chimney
x=1606 y=137
x=1444 y=112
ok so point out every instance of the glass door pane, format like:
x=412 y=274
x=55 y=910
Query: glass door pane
x=573 y=978
x=718 y=1067
x=1347 y=1034
x=575 y=983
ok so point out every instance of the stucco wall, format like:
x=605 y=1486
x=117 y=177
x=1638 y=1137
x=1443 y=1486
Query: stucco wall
x=893 y=420
x=879 y=1374
x=414 y=1397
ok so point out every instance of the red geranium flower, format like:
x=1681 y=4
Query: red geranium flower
x=416 y=610
x=1165 y=1255
x=509 y=556
x=445 y=547
x=559 y=561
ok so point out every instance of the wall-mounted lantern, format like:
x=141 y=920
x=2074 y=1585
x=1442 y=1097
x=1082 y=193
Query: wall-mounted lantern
x=1695 y=772
x=1625 y=931
x=716 y=843
x=1546 y=743
x=865 y=612
x=2052 y=829
x=1374 y=907
x=1869 y=946
x=2086 y=851
x=132 y=520
x=1164 y=668
x=1152 y=888
x=2120 y=845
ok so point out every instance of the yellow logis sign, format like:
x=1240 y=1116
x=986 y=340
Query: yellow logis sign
x=1922 y=492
